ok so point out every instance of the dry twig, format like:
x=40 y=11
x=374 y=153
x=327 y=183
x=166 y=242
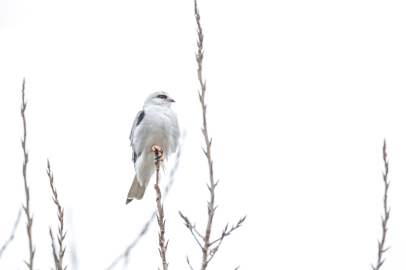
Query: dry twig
x=212 y=251
x=57 y=264
x=187 y=259
x=27 y=190
x=12 y=233
x=160 y=219
x=207 y=254
x=381 y=243
x=224 y=234
x=126 y=254
x=61 y=236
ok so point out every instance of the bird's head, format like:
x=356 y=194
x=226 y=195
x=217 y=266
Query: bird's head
x=160 y=98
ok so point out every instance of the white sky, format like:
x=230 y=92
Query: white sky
x=300 y=97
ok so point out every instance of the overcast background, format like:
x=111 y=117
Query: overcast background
x=301 y=95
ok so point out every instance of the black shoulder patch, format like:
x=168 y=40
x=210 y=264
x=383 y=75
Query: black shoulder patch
x=140 y=117
x=136 y=156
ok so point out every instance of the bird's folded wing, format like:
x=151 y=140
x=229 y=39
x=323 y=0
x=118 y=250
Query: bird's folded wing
x=137 y=122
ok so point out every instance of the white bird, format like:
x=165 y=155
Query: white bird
x=155 y=130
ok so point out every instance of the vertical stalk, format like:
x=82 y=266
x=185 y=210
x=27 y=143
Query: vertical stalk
x=27 y=190
x=161 y=221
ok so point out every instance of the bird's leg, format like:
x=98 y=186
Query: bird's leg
x=159 y=152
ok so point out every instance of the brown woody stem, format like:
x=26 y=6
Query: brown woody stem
x=385 y=219
x=27 y=190
x=160 y=219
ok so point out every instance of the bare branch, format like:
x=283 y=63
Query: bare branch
x=199 y=59
x=381 y=243
x=194 y=228
x=191 y=228
x=12 y=233
x=27 y=191
x=227 y=233
x=126 y=254
x=61 y=235
x=187 y=259
x=211 y=186
x=57 y=263
x=160 y=219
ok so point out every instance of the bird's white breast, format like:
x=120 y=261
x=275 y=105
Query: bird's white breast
x=157 y=128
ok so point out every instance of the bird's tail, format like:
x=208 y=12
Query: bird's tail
x=136 y=191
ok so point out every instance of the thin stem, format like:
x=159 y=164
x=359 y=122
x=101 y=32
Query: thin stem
x=27 y=191
x=61 y=235
x=384 y=221
x=210 y=207
x=12 y=233
x=223 y=235
x=187 y=259
x=191 y=228
x=199 y=59
x=56 y=261
x=126 y=254
x=160 y=219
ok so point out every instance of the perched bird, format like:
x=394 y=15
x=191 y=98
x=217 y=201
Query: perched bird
x=155 y=131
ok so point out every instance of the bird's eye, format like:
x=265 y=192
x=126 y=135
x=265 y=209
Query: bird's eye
x=162 y=96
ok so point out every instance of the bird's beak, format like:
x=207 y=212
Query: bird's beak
x=171 y=100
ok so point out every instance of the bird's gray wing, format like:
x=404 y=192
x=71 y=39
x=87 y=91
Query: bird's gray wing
x=138 y=119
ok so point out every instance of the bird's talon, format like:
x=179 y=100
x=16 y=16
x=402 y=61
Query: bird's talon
x=159 y=152
x=160 y=157
x=156 y=147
